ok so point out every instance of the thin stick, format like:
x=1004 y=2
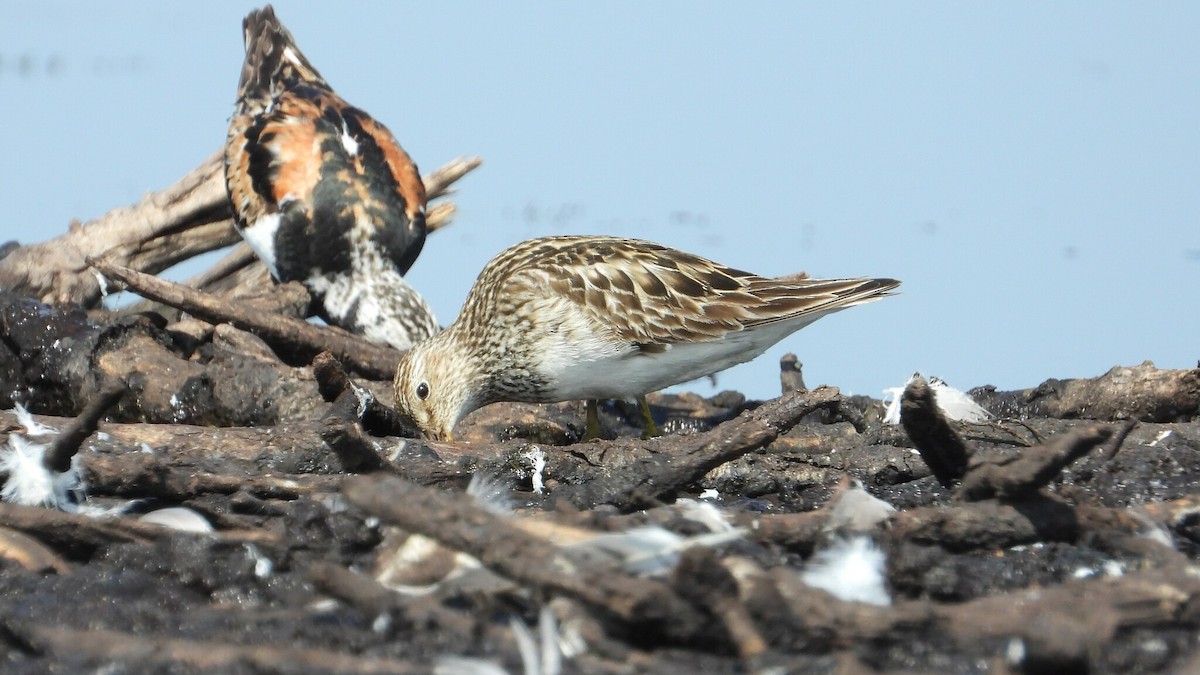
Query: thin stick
x=282 y=332
x=66 y=445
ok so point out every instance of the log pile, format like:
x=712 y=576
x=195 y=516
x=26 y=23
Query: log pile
x=1060 y=537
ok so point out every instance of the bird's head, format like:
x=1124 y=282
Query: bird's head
x=436 y=385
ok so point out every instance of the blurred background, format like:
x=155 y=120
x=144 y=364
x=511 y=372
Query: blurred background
x=1031 y=171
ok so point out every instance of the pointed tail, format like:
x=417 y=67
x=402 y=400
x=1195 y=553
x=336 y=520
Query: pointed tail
x=273 y=60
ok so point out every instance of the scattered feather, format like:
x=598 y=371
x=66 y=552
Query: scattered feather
x=705 y=513
x=540 y=655
x=957 y=405
x=102 y=281
x=382 y=623
x=1154 y=531
x=537 y=459
x=1162 y=436
x=648 y=551
x=263 y=567
x=571 y=642
x=32 y=426
x=852 y=569
x=420 y=566
x=549 y=635
x=30 y=483
x=364 y=398
x=527 y=646
x=178 y=518
x=853 y=510
x=492 y=493
x=1014 y=652
x=953 y=403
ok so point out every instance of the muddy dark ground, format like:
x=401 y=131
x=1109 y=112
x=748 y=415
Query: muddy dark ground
x=1051 y=575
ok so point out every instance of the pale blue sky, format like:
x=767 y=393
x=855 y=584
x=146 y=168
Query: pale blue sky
x=1031 y=171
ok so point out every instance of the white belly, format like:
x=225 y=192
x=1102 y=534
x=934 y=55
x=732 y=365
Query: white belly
x=602 y=372
x=261 y=237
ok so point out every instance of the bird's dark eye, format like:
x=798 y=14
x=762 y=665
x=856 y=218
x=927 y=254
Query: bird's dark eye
x=423 y=391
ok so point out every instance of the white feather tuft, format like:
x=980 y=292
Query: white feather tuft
x=853 y=509
x=537 y=460
x=491 y=493
x=852 y=569
x=32 y=426
x=31 y=483
x=956 y=404
x=102 y=282
x=648 y=551
x=263 y=566
x=364 y=398
x=705 y=513
x=540 y=655
x=953 y=403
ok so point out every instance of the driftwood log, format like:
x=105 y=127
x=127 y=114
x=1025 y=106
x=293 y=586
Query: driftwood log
x=185 y=220
x=273 y=493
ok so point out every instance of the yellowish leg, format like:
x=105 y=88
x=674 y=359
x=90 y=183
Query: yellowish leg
x=649 y=428
x=592 y=431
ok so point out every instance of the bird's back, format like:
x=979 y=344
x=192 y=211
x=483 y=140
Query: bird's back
x=315 y=183
x=649 y=294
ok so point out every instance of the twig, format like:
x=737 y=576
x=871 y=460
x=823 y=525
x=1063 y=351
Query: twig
x=159 y=653
x=285 y=333
x=1109 y=449
x=141 y=475
x=702 y=578
x=377 y=418
x=438 y=182
x=661 y=468
x=341 y=433
x=357 y=590
x=66 y=444
x=1031 y=470
x=75 y=535
x=1078 y=613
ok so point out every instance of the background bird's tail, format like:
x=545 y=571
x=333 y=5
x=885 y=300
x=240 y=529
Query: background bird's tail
x=273 y=60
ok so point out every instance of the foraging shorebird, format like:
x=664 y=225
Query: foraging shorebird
x=582 y=317
x=323 y=193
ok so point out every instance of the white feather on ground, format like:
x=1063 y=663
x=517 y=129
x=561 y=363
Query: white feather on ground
x=32 y=426
x=30 y=483
x=852 y=569
x=647 y=551
x=705 y=513
x=540 y=655
x=492 y=493
x=854 y=510
x=178 y=518
x=953 y=403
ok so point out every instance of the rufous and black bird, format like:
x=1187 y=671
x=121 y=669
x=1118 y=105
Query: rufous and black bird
x=323 y=193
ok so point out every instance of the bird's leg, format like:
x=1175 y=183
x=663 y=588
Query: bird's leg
x=649 y=428
x=592 y=430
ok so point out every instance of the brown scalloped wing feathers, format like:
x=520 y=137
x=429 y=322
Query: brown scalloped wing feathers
x=650 y=294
